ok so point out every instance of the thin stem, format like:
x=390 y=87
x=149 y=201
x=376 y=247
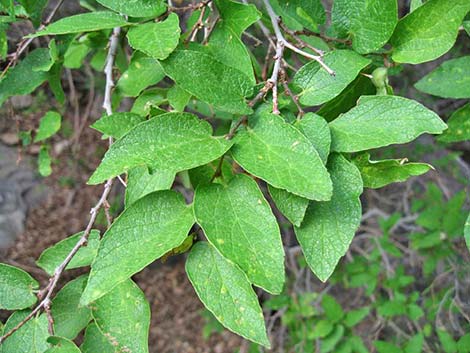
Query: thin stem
x=275 y=75
x=287 y=44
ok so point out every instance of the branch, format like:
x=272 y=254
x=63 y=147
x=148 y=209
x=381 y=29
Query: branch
x=45 y=294
x=287 y=44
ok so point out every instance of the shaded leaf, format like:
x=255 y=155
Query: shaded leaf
x=225 y=291
x=123 y=315
x=329 y=227
x=146 y=230
x=209 y=80
x=376 y=174
x=347 y=99
x=189 y=145
x=140 y=183
x=281 y=155
x=301 y=13
x=238 y=221
x=293 y=207
x=52 y=257
x=23 y=79
x=16 y=288
x=158 y=39
x=70 y=318
x=450 y=80
x=379 y=121
x=318 y=86
x=225 y=43
x=429 y=31
x=317 y=131
x=34 y=8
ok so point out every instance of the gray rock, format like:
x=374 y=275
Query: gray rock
x=20 y=189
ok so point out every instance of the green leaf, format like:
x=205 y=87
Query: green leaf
x=16 y=288
x=118 y=124
x=95 y=341
x=353 y=317
x=278 y=153
x=52 y=257
x=329 y=227
x=85 y=22
x=146 y=230
x=429 y=31
x=450 y=80
x=75 y=55
x=332 y=309
x=466 y=232
x=318 y=86
x=370 y=23
x=317 y=131
x=386 y=347
x=54 y=77
x=136 y=8
x=447 y=341
x=44 y=161
x=210 y=80
x=459 y=126
x=379 y=121
x=226 y=292
x=158 y=39
x=178 y=98
x=140 y=183
x=3 y=42
x=238 y=221
x=330 y=342
x=23 y=79
x=61 y=345
x=48 y=126
x=204 y=174
x=189 y=145
x=293 y=207
x=31 y=337
x=123 y=315
x=225 y=43
x=463 y=345
x=143 y=71
x=376 y=174
x=70 y=318
x=415 y=344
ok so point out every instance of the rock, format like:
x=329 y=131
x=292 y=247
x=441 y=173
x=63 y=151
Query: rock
x=9 y=138
x=20 y=189
x=21 y=102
